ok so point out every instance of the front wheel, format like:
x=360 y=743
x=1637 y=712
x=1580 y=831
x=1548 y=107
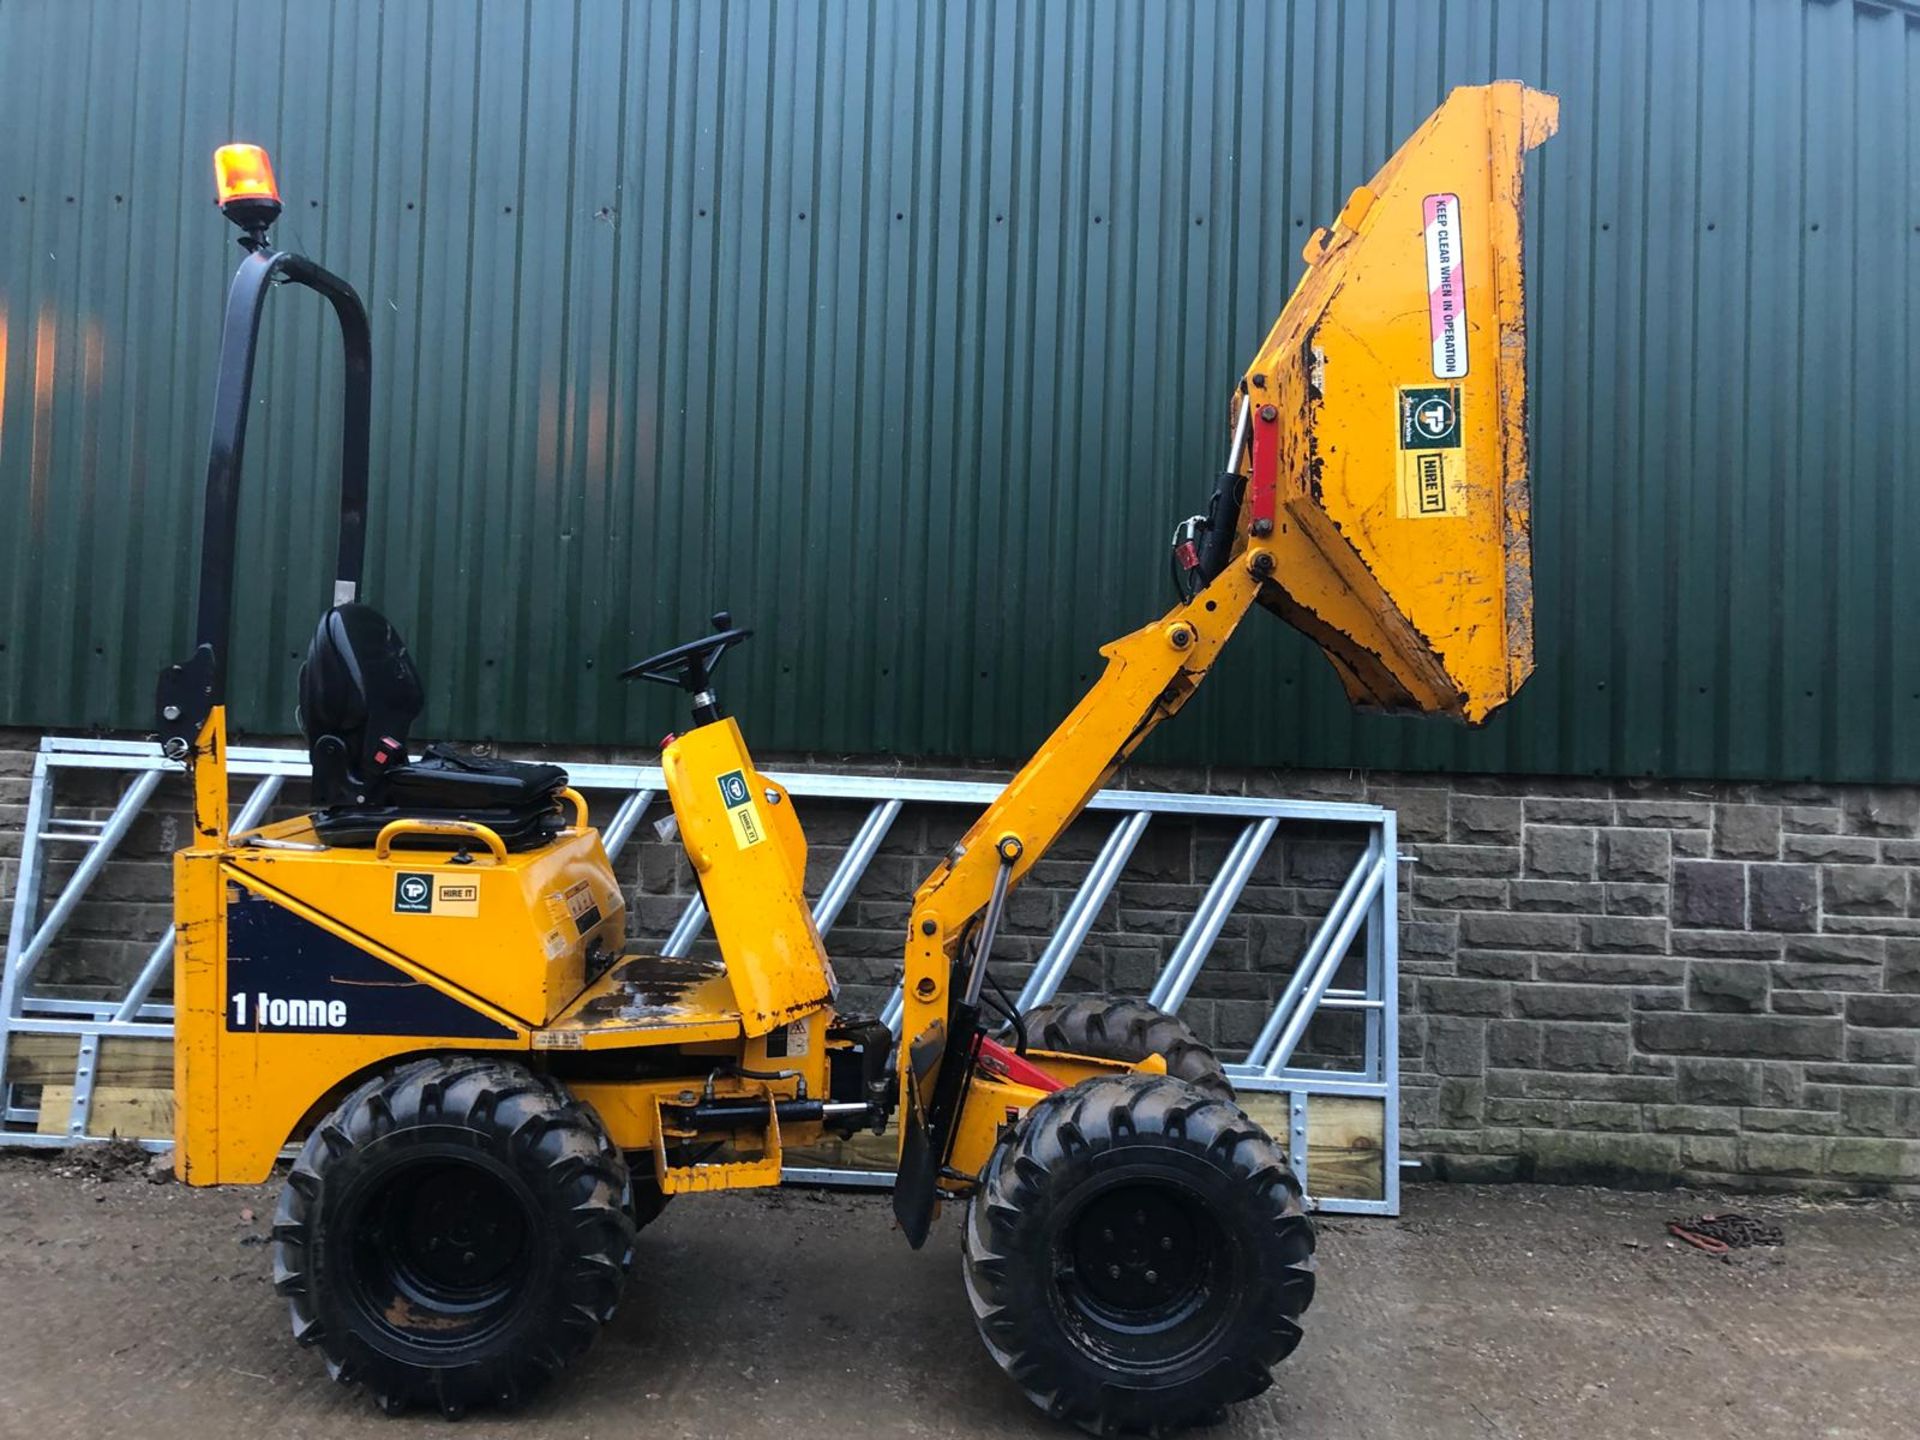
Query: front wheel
x=453 y=1234
x=1137 y=1256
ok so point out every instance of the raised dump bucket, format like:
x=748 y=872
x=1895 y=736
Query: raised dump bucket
x=1388 y=442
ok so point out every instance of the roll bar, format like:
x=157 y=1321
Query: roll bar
x=190 y=691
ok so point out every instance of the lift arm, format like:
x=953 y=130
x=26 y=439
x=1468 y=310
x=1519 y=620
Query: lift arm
x=1379 y=502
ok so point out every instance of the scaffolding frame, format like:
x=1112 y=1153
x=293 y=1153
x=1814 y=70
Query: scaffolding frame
x=1364 y=910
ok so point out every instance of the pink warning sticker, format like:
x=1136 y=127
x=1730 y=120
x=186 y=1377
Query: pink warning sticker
x=1446 y=287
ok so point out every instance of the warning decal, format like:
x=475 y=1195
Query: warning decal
x=737 y=796
x=582 y=908
x=1432 y=464
x=1446 y=287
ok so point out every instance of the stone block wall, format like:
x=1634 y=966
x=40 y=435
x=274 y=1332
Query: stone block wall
x=1641 y=982
x=1617 y=981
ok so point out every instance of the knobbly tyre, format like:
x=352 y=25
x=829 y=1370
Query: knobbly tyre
x=425 y=982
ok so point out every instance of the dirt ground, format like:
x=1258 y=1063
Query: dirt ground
x=139 y=1309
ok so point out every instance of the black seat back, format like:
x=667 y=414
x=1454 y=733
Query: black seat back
x=359 y=696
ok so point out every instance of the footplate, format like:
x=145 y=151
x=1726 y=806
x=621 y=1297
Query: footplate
x=759 y=1171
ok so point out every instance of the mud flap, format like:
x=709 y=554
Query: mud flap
x=916 y=1189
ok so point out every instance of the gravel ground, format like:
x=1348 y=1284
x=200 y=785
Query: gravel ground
x=141 y=1309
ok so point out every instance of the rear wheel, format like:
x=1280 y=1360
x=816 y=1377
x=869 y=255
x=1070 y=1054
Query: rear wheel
x=1136 y=1255
x=453 y=1234
x=1128 y=1031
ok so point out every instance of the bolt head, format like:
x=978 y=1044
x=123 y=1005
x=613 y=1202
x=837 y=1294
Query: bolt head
x=927 y=927
x=1269 y=413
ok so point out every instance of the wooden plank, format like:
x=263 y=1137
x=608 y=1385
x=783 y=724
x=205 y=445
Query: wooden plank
x=1346 y=1156
x=1345 y=1153
x=42 y=1059
x=137 y=1112
x=124 y=1061
x=865 y=1151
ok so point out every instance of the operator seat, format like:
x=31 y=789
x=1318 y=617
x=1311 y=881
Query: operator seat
x=359 y=695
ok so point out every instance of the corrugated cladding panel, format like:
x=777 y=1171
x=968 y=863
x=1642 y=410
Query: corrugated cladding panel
x=905 y=331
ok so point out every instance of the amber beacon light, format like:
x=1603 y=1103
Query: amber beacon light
x=248 y=196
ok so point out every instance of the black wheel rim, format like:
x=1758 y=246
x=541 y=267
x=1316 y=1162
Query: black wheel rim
x=441 y=1251
x=1143 y=1274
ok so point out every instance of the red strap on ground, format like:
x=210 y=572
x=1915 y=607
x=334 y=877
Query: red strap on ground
x=1697 y=1240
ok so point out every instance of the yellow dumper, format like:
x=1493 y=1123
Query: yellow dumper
x=425 y=982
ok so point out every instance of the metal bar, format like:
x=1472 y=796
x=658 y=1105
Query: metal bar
x=589 y=775
x=692 y=921
x=1183 y=966
x=1322 y=974
x=28 y=878
x=1330 y=922
x=84 y=1064
x=1314 y=1082
x=89 y=1009
x=1389 y=994
x=989 y=929
x=1243 y=422
x=22 y=1026
x=837 y=1179
x=626 y=819
x=29 y=1141
x=1376 y=953
x=130 y=805
x=1297 y=1157
x=1057 y=958
x=846 y=875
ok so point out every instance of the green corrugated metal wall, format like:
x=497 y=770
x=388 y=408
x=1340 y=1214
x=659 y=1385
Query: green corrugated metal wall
x=904 y=330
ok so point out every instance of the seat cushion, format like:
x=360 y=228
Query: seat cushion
x=518 y=801
x=444 y=779
x=358 y=826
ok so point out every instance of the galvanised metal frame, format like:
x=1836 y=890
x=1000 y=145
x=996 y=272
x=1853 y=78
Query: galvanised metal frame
x=1367 y=900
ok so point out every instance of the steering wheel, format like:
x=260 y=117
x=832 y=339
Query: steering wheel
x=689 y=666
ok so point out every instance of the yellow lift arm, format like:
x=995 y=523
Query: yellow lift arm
x=1376 y=497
